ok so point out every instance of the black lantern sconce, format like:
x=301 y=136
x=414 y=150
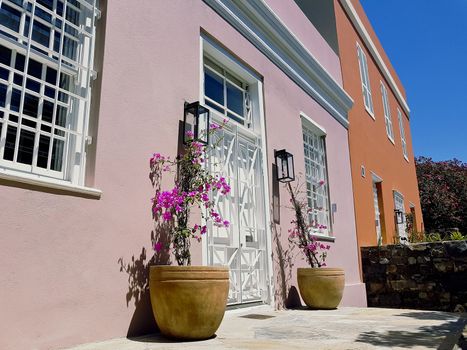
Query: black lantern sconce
x=196 y=121
x=285 y=166
x=399 y=215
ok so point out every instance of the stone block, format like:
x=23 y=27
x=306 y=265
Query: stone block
x=411 y=260
x=456 y=248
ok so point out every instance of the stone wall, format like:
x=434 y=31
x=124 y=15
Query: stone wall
x=428 y=276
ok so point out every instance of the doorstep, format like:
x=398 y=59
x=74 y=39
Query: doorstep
x=261 y=327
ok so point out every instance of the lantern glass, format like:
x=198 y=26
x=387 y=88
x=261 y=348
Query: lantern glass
x=285 y=166
x=196 y=123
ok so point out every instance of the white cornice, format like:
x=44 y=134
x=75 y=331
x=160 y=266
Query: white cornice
x=365 y=36
x=262 y=27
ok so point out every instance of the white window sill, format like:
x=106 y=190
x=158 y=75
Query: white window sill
x=392 y=140
x=324 y=238
x=372 y=115
x=407 y=159
x=45 y=182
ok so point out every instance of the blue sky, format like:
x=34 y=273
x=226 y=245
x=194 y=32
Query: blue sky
x=426 y=41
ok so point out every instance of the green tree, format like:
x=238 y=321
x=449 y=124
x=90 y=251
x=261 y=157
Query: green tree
x=443 y=193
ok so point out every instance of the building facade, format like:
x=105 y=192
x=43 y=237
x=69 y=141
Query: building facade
x=89 y=90
x=383 y=168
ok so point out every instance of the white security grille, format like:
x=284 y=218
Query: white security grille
x=46 y=59
x=242 y=246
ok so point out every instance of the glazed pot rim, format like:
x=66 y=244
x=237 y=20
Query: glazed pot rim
x=193 y=268
x=321 y=270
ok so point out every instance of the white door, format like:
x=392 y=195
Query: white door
x=399 y=205
x=237 y=156
x=379 y=238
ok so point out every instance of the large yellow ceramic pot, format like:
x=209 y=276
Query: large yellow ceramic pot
x=188 y=302
x=321 y=288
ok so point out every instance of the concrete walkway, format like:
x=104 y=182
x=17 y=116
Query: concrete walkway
x=345 y=328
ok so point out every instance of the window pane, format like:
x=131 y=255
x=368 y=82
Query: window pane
x=47 y=111
x=235 y=99
x=10 y=143
x=214 y=87
x=41 y=33
x=9 y=17
x=35 y=69
x=5 y=55
x=43 y=154
x=216 y=107
x=33 y=85
x=57 y=155
x=26 y=147
x=15 y=100
x=31 y=104
x=51 y=76
x=19 y=62
x=3 y=89
x=60 y=118
x=18 y=79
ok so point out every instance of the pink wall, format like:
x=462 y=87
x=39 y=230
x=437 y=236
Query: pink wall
x=61 y=279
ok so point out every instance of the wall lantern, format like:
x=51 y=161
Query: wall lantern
x=399 y=215
x=284 y=165
x=196 y=121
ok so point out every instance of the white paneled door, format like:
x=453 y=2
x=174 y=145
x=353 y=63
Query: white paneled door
x=379 y=237
x=237 y=156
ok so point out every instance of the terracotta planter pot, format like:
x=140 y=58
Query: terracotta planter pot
x=188 y=302
x=321 y=288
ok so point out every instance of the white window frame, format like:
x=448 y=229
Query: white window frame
x=79 y=68
x=402 y=132
x=365 y=78
x=387 y=113
x=319 y=160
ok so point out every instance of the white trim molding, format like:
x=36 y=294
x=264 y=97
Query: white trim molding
x=365 y=36
x=257 y=22
x=46 y=182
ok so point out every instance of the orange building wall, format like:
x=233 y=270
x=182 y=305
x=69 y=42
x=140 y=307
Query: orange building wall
x=369 y=143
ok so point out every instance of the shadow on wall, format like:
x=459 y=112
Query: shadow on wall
x=137 y=269
x=285 y=296
x=449 y=333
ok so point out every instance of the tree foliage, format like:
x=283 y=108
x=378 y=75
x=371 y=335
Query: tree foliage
x=443 y=193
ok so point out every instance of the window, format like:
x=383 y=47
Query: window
x=46 y=57
x=387 y=113
x=401 y=128
x=317 y=186
x=226 y=93
x=364 y=76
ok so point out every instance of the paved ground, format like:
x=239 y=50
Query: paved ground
x=345 y=328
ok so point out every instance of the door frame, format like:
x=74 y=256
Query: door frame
x=227 y=59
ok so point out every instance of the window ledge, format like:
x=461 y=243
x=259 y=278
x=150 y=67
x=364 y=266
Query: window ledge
x=392 y=140
x=372 y=114
x=407 y=159
x=47 y=183
x=324 y=238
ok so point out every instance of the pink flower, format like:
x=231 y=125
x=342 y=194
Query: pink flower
x=203 y=230
x=190 y=134
x=157 y=246
x=226 y=223
x=167 y=216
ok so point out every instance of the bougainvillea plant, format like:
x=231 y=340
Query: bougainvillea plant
x=194 y=187
x=303 y=233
